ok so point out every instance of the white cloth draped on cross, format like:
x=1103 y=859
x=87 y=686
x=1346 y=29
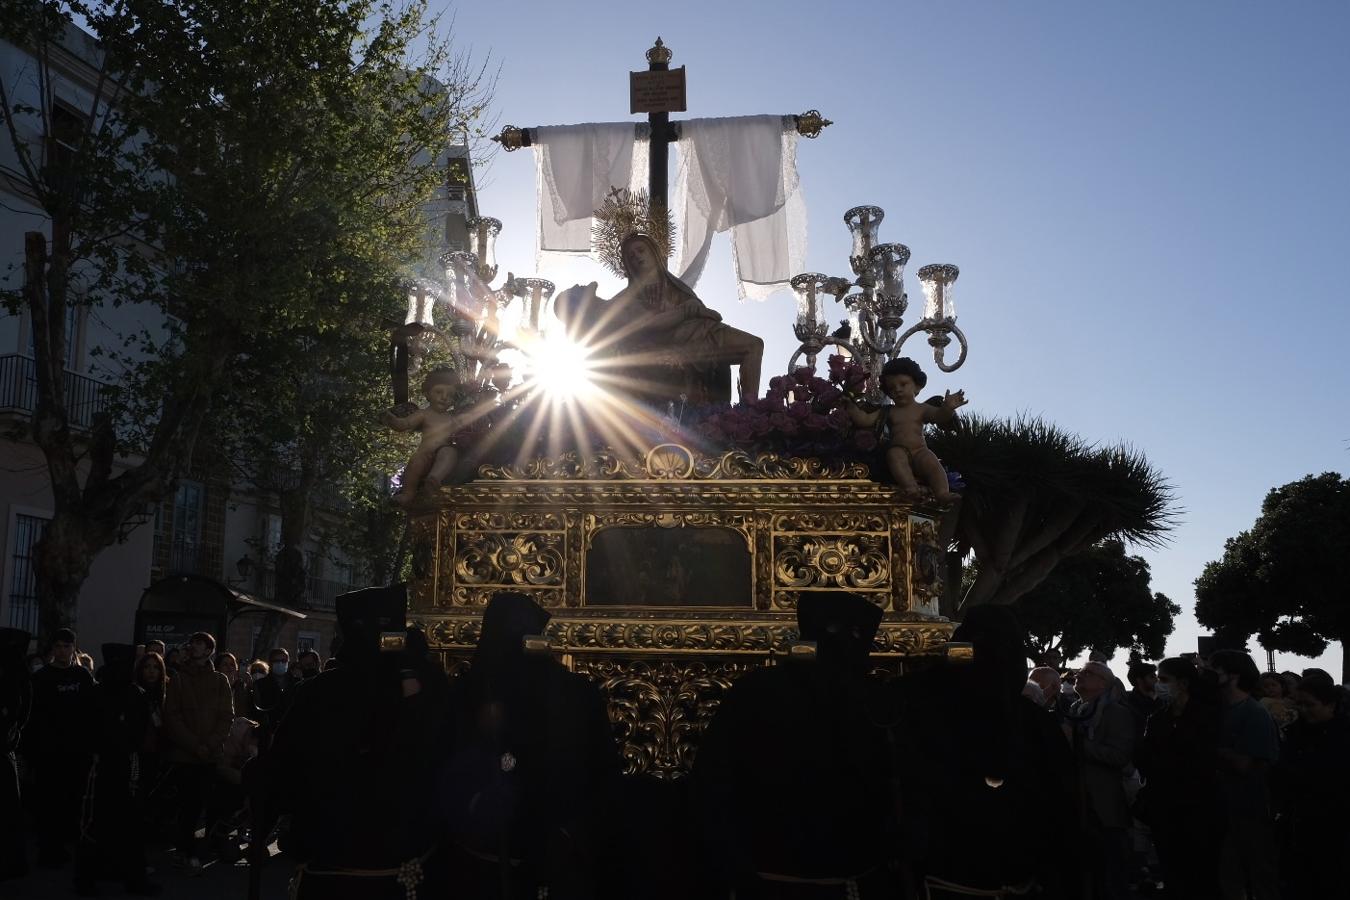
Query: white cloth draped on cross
x=735 y=174
x=576 y=166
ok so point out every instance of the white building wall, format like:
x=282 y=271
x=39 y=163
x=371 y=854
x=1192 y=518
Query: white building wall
x=120 y=573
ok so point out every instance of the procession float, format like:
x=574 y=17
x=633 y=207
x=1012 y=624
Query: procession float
x=668 y=530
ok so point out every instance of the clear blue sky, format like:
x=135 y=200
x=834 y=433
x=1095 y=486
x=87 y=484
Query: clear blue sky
x=1148 y=202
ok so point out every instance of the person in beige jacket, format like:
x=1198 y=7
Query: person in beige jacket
x=198 y=710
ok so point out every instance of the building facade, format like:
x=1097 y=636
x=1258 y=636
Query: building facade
x=209 y=526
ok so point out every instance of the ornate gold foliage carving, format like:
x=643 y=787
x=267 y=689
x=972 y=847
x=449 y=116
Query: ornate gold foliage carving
x=508 y=559
x=912 y=640
x=673 y=462
x=831 y=521
x=831 y=561
x=786 y=600
x=740 y=521
x=660 y=708
x=509 y=520
x=422 y=540
x=666 y=636
x=479 y=596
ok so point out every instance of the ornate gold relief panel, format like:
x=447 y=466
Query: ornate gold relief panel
x=509 y=559
x=927 y=566
x=830 y=550
x=424 y=545
x=506 y=549
x=634 y=638
x=659 y=708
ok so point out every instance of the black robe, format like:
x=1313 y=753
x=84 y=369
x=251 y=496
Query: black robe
x=15 y=700
x=532 y=768
x=111 y=843
x=793 y=779
x=354 y=763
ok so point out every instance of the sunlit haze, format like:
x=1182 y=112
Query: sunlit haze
x=561 y=368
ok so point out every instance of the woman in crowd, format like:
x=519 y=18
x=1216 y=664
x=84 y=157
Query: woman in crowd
x=1276 y=699
x=257 y=671
x=151 y=676
x=1180 y=800
x=228 y=665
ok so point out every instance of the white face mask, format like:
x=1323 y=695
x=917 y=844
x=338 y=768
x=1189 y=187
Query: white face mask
x=38 y=667
x=279 y=668
x=1162 y=691
x=258 y=676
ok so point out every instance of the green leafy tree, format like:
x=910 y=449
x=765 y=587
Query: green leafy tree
x=1036 y=495
x=245 y=172
x=1287 y=579
x=1100 y=599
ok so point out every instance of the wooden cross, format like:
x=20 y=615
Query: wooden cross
x=658 y=92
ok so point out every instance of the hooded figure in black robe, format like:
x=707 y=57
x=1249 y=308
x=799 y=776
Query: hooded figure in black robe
x=792 y=776
x=989 y=777
x=532 y=765
x=15 y=701
x=354 y=763
x=111 y=845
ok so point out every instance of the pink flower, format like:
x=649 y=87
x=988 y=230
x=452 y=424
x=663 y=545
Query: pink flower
x=829 y=396
x=838 y=418
x=767 y=406
x=777 y=397
x=816 y=422
x=803 y=376
x=864 y=440
x=780 y=383
x=799 y=410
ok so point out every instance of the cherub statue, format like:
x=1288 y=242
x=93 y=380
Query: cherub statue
x=436 y=455
x=907 y=455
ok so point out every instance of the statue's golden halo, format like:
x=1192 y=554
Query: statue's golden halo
x=625 y=213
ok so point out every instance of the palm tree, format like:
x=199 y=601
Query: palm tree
x=1036 y=494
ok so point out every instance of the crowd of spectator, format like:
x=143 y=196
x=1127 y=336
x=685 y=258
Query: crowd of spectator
x=183 y=721
x=1196 y=779
x=1205 y=778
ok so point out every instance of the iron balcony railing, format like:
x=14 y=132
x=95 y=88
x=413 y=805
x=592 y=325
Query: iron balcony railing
x=320 y=593
x=86 y=397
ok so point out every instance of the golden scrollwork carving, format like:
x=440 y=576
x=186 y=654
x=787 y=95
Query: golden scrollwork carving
x=506 y=559
x=807 y=533
x=423 y=543
x=831 y=561
x=659 y=708
x=912 y=640
x=705 y=635
x=741 y=522
x=509 y=520
x=874 y=522
x=673 y=462
x=478 y=597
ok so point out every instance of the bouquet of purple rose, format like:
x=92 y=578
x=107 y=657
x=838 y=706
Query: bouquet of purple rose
x=801 y=414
